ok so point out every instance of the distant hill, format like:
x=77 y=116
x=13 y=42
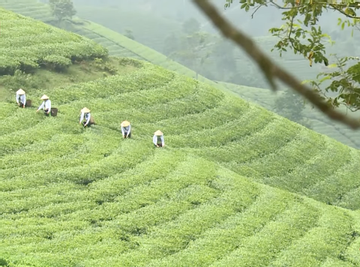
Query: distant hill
x=148 y=29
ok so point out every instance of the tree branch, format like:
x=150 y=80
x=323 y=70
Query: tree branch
x=257 y=8
x=343 y=12
x=269 y=68
x=333 y=6
x=290 y=31
x=279 y=7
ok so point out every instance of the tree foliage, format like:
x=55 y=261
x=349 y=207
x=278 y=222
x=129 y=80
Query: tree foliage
x=191 y=26
x=62 y=9
x=302 y=34
x=223 y=54
x=129 y=34
x=290 y=105
x=192 y=50
x=205 y=53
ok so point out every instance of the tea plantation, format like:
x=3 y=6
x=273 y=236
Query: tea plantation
x=236 y=185
x=26 y=44
x=119 y=45
x=320 y=123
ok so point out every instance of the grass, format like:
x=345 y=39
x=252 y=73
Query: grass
x=236 y=185
x=45 y=79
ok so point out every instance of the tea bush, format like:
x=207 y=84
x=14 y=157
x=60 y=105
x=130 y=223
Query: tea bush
x=31 y=44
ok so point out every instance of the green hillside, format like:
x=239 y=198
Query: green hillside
x=89 y=198
x=31 y=8
x=214 y=196
x=320 y=123
x=149 y=30
x=119 y=45
x=33 y=44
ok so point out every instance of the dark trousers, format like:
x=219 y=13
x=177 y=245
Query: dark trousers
x=21 y=104
x=125 y=133
x=160 y=145
x=45 y=112
x=88 y=125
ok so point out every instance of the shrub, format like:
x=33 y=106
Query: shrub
x=57 y=63
x=20 y=79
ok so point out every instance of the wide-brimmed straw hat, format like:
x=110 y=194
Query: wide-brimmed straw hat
x=20 y=92
x=125 y=123
x=85 y=110
x=158 y=133
x=44 y=97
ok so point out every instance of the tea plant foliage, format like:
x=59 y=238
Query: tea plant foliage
x=214 y=196
x=236 y=185
x=31 y=44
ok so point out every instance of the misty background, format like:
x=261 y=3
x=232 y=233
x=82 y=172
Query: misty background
x=167 y=26
x=179 y=30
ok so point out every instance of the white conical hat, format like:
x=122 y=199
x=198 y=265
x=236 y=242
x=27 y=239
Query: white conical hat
x=125 y=123
x=85 y=110
x=44 y=97
x=20 y=92
x=158 y=133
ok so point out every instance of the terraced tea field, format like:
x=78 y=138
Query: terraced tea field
x=119 y=45
x=320 y=123
x=236 y=185
x=86 y=196
x=31 y=8
x=32 y=44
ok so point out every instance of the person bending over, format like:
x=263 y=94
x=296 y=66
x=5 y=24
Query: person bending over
x=158 y=139
x=126 y=129
x=21 y=98
x=46 y=105
x=85 y=117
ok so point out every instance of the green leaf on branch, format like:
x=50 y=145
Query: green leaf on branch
x=324 y=79
x=302 y=34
